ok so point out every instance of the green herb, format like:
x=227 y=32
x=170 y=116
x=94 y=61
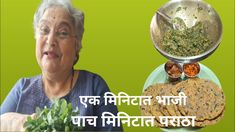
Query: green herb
x=194 y=16
x=57 y=118
x=185 y=8
x=199 y=8
x=178 y=9
x=187 y=42
x=179 y=22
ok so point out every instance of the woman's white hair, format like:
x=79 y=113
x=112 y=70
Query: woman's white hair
x=76 y=15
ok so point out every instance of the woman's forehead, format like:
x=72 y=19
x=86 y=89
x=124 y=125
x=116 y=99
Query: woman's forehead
x=57 y=15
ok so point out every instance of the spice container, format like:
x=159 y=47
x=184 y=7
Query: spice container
x=173 y=70
x=191 y=69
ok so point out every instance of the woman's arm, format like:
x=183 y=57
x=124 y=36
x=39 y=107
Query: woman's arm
x=11 y=101
x=12 y=121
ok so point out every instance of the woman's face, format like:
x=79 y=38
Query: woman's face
x=55 y=41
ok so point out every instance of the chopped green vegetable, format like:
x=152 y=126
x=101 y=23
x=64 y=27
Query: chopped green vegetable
x=185 y=8
x=194 y=16
x=199 y=8
x=57 y=118
x=187 y=42
x=179 y=23
x=178 y=9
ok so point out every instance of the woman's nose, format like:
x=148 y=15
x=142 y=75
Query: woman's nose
x=51 y=39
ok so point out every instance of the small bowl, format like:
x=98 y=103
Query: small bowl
x=173 y=70
x=191 y=69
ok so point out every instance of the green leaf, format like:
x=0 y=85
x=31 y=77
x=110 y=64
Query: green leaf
x=38 y=111
x=57 y=118
x=66 y=129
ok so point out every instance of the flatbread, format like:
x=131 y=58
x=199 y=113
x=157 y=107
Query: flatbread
x=205 y=100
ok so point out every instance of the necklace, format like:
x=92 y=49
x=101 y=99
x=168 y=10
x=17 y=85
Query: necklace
x=70 y=87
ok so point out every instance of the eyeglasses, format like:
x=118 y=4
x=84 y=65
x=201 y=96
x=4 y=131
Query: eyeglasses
x=61 y=33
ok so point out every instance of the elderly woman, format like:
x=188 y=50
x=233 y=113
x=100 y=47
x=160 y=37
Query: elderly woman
x=58 y=31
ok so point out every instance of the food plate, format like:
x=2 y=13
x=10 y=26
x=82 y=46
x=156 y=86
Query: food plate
x=160 y=76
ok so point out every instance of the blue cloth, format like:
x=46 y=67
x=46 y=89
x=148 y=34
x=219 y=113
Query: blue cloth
x=27 y=94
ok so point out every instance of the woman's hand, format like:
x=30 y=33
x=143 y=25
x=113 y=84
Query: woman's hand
x=13 y=121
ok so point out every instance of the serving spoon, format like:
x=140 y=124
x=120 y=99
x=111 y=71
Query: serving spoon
x=177 y=23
